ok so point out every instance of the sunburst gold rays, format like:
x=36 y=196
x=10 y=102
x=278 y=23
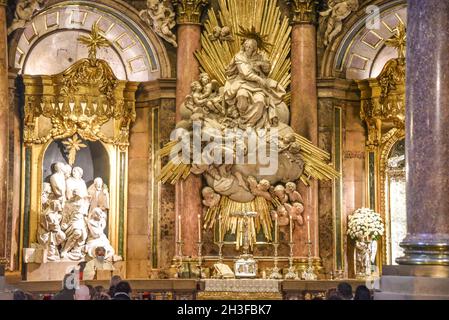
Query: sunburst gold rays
x=262 y=15
x=234 y=225
x=316 y=162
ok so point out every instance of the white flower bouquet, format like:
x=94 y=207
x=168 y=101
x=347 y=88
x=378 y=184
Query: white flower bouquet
x=365 y=225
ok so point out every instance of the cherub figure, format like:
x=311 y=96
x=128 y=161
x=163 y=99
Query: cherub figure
x=226 y=34
x=260 y=189
x=293 y=195
x=215 y=35
x=334 y=16
x=211 y=94
x=210 y=197
x=222 y=34
x=295 y=211
x=195 y=101
x=283 y=218
x=279 y=192
x=288 y=144
x=161 y=18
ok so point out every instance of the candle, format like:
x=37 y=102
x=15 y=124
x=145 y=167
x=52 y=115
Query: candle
x=276 y=228
x=199 y=228
x=291 y=229
x=179 y=228
x=308 y=228
x=219 y=229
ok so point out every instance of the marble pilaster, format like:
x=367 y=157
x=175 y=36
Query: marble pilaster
x=188 y=192
x=427 y=137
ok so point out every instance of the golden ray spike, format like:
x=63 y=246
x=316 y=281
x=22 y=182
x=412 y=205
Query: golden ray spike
x=93 y=41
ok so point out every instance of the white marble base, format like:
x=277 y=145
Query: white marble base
x=55 y=271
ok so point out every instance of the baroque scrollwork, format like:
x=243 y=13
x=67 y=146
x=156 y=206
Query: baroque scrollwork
x=80 y=100
x=159 y=15
x=383 y=98
x=25 y=10
x=332 y=18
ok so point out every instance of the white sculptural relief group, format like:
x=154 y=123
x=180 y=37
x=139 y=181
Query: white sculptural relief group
x=73 y=217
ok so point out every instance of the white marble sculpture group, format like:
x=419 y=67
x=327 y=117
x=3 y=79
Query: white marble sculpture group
x=249 y=100
x=73 y=217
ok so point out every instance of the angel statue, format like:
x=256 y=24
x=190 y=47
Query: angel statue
x=333 y=17
x=25 y=9
x=159 y=15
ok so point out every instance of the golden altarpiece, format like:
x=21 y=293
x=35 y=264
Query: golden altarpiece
x=383 y=110
x=80 y=117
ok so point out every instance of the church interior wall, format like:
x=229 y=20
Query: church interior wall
x=151 y=214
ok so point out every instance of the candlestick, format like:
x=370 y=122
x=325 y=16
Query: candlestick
x=291 y=228
x=291 y=274
x=199 y=228
x=275 y=272
x=308 y=228
x=219 y=229
x=276 y=228
x=179 y=228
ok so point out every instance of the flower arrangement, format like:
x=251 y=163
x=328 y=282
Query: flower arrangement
x=365 y=225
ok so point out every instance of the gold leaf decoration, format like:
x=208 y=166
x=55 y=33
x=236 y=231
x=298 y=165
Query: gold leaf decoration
x=73 y=146
x=93 y=41
x=246 y=18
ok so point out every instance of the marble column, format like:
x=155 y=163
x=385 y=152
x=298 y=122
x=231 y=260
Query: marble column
x=427 y=135
x=4 y=143
x=304 y=100
x=188 y=192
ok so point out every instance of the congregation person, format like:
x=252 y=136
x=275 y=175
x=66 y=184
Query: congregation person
x=122 y=291
x=82 y=293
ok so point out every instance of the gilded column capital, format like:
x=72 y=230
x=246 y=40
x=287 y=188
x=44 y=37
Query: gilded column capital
x=303 y=11
x=189 y=11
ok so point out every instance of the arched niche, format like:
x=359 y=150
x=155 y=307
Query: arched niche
x=359 y=52
x=47 y=44
x=393 y=196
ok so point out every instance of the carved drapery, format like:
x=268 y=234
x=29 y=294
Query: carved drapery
x=303 y=11
x=189 y=11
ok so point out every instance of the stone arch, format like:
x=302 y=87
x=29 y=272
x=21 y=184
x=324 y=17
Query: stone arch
x=141 y=54
x=360 y=53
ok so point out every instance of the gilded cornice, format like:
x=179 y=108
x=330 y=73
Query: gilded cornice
x=303 y=11
x=189 y=11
